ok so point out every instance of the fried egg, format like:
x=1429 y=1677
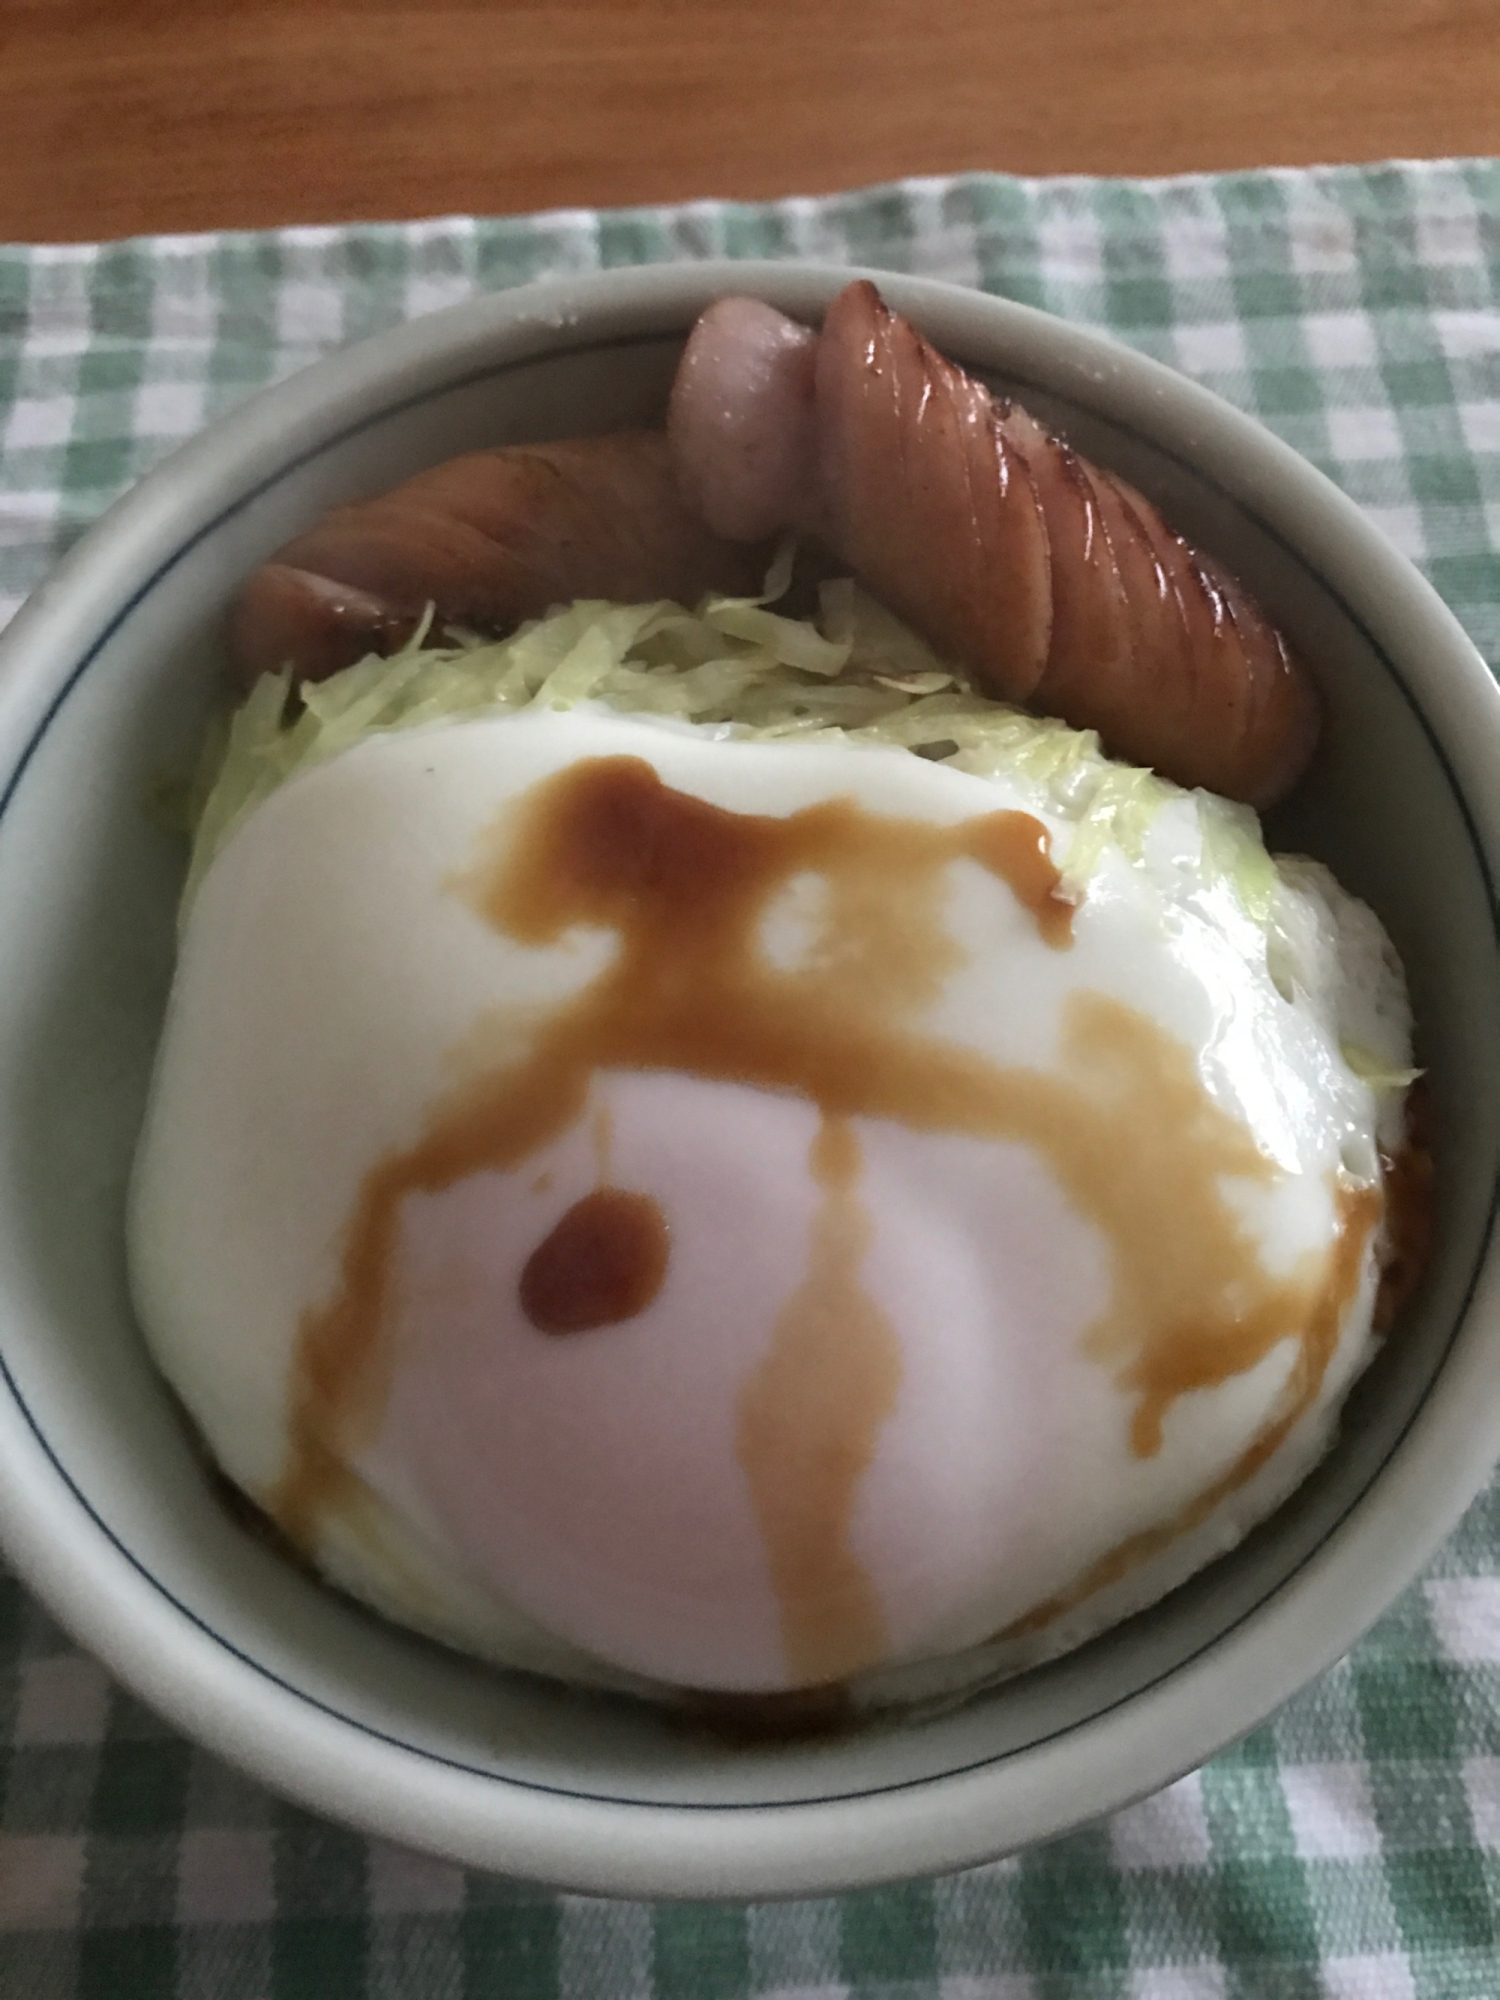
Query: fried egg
x=678 y=1213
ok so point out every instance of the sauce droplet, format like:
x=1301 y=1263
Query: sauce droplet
x=602 y=1263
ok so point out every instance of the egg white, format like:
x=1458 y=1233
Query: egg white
x=332 y=986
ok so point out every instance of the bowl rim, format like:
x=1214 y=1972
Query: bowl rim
x=337 y=1765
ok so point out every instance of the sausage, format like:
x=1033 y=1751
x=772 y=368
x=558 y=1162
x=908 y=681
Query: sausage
x=488 y=540
x=1053 y=581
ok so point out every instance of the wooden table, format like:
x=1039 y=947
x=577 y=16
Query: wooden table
x=118 y=116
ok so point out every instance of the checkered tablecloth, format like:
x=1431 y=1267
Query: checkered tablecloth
x=1350 y=1850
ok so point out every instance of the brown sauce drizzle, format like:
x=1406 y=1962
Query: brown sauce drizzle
x=1359 y=1210
x=809 y=1420
x=1124 y=1125
x=1018 y=849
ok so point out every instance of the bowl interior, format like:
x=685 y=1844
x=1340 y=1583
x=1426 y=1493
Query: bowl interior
x=88 y=882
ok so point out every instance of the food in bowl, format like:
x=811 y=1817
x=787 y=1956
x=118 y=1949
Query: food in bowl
x=653 y=1182
x=1053 y=582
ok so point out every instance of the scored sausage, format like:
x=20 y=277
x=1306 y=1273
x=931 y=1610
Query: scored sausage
x=1056 y=583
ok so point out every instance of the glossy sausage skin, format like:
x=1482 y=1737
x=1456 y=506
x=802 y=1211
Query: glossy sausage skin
x=489 y=540
x=1056 y=583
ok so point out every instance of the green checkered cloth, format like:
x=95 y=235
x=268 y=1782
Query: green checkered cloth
x=1349 y=1850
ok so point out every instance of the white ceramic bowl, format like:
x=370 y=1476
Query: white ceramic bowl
x=104 y=679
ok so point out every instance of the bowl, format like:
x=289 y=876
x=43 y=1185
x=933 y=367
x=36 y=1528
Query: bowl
x=108 y=1510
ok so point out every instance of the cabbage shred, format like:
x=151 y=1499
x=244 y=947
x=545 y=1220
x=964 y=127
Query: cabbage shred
x=738 y=668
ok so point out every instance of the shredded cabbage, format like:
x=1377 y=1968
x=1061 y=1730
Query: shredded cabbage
x=1375 y=1070
x=738 y=667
